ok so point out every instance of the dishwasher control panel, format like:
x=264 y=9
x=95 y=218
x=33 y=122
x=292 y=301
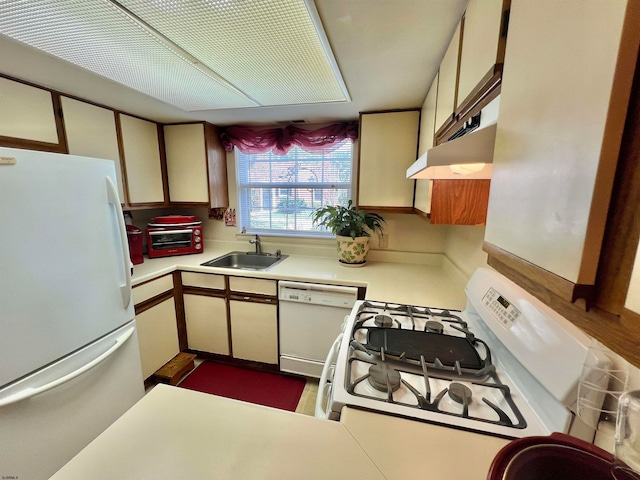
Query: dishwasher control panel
x=330 y=295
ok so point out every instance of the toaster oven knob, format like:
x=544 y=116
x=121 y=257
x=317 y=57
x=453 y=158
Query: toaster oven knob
x=198 y=246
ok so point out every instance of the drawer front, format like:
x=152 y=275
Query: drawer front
x=203 y=280
x=253 y=285
x=150 y=289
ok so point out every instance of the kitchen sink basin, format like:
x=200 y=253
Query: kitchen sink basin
x=246 y=260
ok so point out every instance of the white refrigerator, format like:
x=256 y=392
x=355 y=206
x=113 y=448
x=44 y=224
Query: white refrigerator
x=69 y=357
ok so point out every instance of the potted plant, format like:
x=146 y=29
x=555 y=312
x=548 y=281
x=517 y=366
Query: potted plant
x=352 y=228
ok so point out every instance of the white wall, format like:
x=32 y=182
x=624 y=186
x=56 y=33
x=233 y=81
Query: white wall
x=464 y=248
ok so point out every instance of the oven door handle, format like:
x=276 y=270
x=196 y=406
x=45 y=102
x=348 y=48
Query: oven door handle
x=324 y=386
x=164 y=232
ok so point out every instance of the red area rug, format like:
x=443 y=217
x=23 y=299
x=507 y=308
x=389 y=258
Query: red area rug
x=262 y=388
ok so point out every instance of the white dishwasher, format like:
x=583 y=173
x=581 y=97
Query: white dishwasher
x=311 y=316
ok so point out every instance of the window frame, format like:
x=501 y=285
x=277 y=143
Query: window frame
x=243 y=190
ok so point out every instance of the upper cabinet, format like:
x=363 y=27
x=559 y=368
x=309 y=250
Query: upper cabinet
x=91 y=132
x=142 y=160
x=471 y=70
x=388 y=145
x=448 y=82
x=186 y=163
x=196 y=165
x=481 y=48
x=422 y=197
x=29 y=117
x=566 y=85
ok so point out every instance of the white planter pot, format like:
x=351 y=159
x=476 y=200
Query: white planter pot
x=352 y=251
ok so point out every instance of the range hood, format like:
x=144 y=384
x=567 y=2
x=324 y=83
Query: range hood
x=469 y=156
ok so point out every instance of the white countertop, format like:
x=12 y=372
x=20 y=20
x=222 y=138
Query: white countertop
x=408 y=283
x=178 y=433
x=174 y=433
x=404 y=449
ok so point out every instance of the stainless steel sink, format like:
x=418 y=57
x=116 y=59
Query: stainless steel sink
x=246 y=260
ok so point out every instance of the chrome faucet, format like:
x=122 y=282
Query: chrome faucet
x=256 y=241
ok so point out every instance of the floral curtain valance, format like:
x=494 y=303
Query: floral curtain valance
x=281 y=140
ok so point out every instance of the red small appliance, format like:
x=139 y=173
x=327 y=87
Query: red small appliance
x=174 y=235
x=134 y=235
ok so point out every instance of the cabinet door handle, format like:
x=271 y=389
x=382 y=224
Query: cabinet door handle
x=246 y=298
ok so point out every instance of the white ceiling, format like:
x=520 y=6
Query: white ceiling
x=387 y=50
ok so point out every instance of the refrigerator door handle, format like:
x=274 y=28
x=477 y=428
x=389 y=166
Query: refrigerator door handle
x=33 y=391
x=112 y=195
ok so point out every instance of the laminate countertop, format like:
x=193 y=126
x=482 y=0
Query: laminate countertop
x=433 y=284
x=178 y=433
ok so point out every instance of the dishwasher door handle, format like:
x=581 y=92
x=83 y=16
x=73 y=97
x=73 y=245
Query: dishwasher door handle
x=324 y=386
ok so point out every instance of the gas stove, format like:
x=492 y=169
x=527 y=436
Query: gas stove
x=507 y=365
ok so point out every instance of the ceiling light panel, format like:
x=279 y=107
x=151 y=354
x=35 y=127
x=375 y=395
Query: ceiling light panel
x=100 y=37
x=275 y=51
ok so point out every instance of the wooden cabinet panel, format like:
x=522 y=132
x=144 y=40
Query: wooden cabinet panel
x=448 y=80
x=27 y=112
x=142 y=160
x=157 y=336
x=217 y=164
x=186 y=163
x=91 y=132
x=254 y=331
x=388 y=146
x=558 y=137
x=206 y=319
x=480 y=40
x=460 y=202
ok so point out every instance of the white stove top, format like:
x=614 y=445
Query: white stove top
x=456 y=368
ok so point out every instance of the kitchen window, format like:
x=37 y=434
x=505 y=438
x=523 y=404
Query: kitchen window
x=278 y=193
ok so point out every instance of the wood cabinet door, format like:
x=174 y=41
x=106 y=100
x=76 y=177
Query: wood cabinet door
x=27 y=113
x=91 y=132
x=186 y=163
x=448 y=80
x=460 y=202
x=254 y=331
x=142 y=160
x=206 y=319
x=388 y=146
x=480 y=39
x=558 y=137
x=157 y=336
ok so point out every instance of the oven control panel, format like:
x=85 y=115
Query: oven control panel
x=501 y=308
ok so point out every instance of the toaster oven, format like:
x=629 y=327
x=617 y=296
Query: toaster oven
x=174 y=235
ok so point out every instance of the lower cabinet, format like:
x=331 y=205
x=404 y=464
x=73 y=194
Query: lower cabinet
x=206 y=321
x=251 y=319
x=254 y=329
x=157 y=336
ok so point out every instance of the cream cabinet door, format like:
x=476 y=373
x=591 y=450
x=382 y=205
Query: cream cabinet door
x=142 y=160
x=186 y=163
x=422 y=198
x=447 y=82
x=91 y=132
x=27 y=112
x=206 y=319
x=388 y=146
x=479 y=43
x=555 y=151
x=157 y=336
x=254 y=331
x=633 y=294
